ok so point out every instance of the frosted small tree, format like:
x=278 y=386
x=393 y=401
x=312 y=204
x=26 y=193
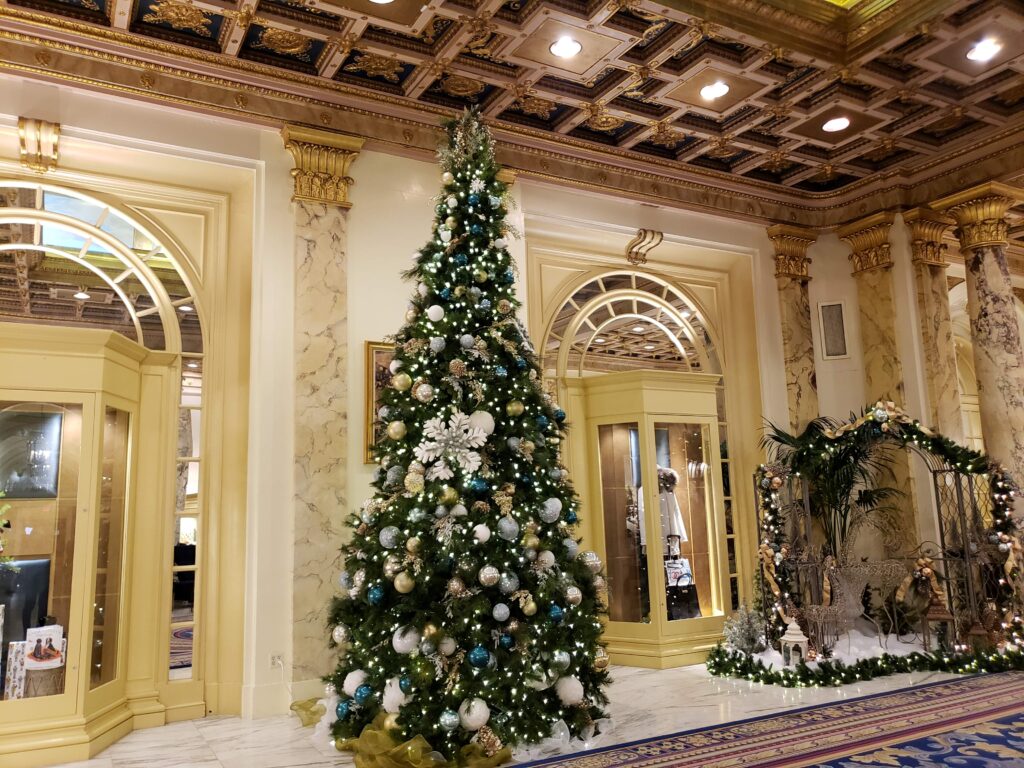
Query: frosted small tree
x=468 y=617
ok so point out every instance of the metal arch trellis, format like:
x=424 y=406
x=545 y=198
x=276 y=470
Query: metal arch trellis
x=978 y=553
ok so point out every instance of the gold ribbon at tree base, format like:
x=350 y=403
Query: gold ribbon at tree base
x=308 y=710
x=376 y=747
x=923 y=568
x=768 y=561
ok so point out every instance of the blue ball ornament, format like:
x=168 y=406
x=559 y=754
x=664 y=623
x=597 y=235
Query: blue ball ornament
x=343 y=708
x=478 y=484
x=520 y=363
x=559 y=414
x=476 y=229
x=461 y=259
x=405 y=684
x=485 y=304
x=542 y=421
x=446 y=293
x=510 y=276
x=571 y=518
x=479 y=656
x=474 y=199
x=375 y=594
x=555 y=613
x=526 y=481
x=501 y=371
x=363 y=693
x=507 y=642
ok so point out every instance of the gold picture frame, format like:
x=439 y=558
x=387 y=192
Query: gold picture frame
x=379 y=355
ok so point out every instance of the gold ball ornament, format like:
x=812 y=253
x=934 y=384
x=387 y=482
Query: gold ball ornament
x=481 y=275
x=430 y=629
x=396 y=430
x=401 y=381
x=530 y=608
x=515 y=408
x=410 y=315
x=404 y=583
x=414 y=482
x=450 y=222
x=447 y=177
x=449 y=495
x=601 y=659
x=413 y=545
x=489 y=575
x=531 y=541
x=460 y=290
x=423 y=392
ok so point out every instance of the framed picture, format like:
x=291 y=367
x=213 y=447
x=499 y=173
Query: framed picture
x=379 y=355
x=44 y=647
x=29 y=454
x=832 y=320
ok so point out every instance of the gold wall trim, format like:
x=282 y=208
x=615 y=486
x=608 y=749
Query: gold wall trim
x=38 y=144
x=980 y=213
x=322 y=160
x=926 y=231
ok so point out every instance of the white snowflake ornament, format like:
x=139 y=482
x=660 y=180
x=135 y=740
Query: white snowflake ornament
x=448 y=446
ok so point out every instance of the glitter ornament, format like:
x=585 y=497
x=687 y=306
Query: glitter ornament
x=601 y=659
x=480 y=275
x=449 y=720
x=489 y=575
x=342 y=709
x=508 y=583
x=363 y=693
x=392 y=566
x=389 y=537
x=573 y=595
x=437 y=344
x=423 y=392
x=474 y=714
x=508 y=528
x=546 y=559
x=405 y=639
x=452 y=201
x=339 y=634
x=414 y=483
x=551 y=510
x=466 y=341
x=572 y=547
x=412 y=545
x=556 y=613
x=404 y=583
x=478 y=656
x=591 y=560
x=447 y=178
x=500 y=612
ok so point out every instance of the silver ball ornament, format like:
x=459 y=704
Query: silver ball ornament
x=437 y=344
x=573 y=595
x=572 y=547
x=466 y=341
x=489 y=575
x=389 y=537
x=561 y=659
x=591 y=560
x=508 y=583
x=508 y=528
x=449 y=720
x=339 y=634
x=500 y=612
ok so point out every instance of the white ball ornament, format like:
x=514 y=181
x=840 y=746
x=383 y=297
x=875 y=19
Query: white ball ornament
x=393 y=698
x=452 y=201
x=501 y=243
x=481 y=533
x=339 y=634
x=447 y=177
x=466 y=341
x=459 y=510
x=482 y=420
x=435 y=313
x=395 y=366
x=437 y=345
x=448 y=646
x=508 y=528
x=352 y=681
x=500 y=612
x=474 y=713
x=546 y=559
x=406 y=639
x=389 y=537
x=424 y=392
x=569 y=690
x=445 y=235
x=572 y=547
x=550 y=510
x=422 y=290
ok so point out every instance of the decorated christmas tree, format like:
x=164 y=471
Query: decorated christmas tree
x=468 y=617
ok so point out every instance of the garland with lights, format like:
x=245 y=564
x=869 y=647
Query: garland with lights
x=884 y=421
x=468 y=620
x=728 y=663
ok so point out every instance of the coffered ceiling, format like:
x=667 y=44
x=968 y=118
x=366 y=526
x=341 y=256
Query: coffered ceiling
x=629 y=111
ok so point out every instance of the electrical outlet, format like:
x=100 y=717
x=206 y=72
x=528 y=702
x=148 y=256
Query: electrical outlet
x=276 y=660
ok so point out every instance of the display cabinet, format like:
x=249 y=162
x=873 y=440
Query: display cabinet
x=657 y=512
x=68 y=406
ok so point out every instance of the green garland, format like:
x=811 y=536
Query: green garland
x=726 y=663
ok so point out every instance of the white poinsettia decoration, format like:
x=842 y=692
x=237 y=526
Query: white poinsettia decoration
x=445 y=446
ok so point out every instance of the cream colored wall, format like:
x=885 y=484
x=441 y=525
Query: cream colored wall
x=840 y=382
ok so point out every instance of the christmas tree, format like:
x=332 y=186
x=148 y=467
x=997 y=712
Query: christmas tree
x=468 y=617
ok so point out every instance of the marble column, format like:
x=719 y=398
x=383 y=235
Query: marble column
x=791 y=277
x=320 y=202
x=928 y=254
x=980 y=215
x=871 y=258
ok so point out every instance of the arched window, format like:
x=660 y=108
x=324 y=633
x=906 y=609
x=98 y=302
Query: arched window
x=71 y=259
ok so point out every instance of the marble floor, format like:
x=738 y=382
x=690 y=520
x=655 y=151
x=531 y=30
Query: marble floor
x=644 y=703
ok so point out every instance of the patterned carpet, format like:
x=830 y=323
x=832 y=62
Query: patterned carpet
x=971 y=722
x=181 y=647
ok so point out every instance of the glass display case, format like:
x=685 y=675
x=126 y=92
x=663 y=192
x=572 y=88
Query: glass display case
x=659 y=505
x=66 y=478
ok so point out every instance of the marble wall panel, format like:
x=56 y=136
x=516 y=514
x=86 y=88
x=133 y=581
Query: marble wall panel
x=798 y=348
x=938 y=349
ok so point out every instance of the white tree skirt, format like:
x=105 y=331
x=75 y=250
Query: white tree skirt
x=862 y=642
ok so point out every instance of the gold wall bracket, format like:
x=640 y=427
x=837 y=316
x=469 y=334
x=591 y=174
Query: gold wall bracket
x=39 y=144
x=646 y=240
x=869 y=240
x=791 y=244
x=322 y=160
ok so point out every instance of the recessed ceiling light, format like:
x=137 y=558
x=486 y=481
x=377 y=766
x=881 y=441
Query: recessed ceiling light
x=599 y=341
x=565 y=47
x=82 y=296
x=638 y=329
x=714 y=91
x=836 y=124
x=984 y=51
x=186 y=308
x=192 y=364
x=382 y=2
